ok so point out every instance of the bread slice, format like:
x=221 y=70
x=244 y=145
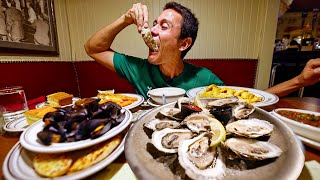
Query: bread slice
x=37 y=114
x=96 y=154
x=59 y=99
x=51 y=165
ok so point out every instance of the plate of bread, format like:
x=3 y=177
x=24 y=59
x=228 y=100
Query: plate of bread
x=58 y=100
x=21 y=163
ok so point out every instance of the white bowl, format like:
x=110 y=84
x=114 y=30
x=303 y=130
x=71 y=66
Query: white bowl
x=305 y=130
x=171 y=94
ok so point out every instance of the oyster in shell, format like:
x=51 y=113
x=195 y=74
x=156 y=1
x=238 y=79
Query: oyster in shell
x=198 y=122
x=243 y=110
x=251 y=149
x=183 y=100
x=199 y=160
x=157 y=124
x=148 y=39
x=222 y=102
x=251 y=128
x=167 y=140
x=172 y=113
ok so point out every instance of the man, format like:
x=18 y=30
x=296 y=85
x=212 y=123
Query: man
x=175 y=31
x=310 y=75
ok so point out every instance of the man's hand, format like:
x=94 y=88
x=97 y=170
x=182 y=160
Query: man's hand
x=311 y=73
x=138 y=15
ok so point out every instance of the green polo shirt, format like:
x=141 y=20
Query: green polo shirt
x=141 y=74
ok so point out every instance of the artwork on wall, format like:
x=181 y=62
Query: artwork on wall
x=28 y=26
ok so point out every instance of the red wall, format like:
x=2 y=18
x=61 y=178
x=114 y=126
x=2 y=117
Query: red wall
x=83 y=79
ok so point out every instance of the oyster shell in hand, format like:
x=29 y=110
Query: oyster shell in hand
x=167 y=140
x=251 y=149
x=199 y=160
x=251 y=128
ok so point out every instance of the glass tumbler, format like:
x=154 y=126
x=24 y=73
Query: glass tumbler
x=13 y=102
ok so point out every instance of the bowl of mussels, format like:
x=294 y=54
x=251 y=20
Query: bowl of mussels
x=212 y=139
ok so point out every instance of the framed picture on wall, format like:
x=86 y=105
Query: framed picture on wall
x=28 y=26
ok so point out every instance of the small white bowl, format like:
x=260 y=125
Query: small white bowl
x=299 y=128
x=171 y=94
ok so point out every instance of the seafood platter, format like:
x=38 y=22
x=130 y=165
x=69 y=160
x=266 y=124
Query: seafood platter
x=71 y=142
x=212 y=139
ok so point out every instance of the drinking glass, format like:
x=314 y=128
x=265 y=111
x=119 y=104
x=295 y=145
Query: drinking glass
x=13 y=102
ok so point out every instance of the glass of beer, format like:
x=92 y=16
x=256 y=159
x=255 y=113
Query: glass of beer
x=13 y=102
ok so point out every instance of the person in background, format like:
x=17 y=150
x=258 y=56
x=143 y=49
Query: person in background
x=41 y=36
x=309 y=76
x=14 y=20
x=174 y=31
x=3 y=31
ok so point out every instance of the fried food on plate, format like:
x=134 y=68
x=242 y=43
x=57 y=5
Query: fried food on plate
x=51 y=165
x=96 y=154
x=122 y=100
x=59 y=99
x=214 y=91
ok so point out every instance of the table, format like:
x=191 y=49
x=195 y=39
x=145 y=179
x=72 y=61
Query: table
x=307 y=103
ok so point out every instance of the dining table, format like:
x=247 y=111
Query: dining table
x=9 y=139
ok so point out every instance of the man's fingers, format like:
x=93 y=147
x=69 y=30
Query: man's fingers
x=146 y=16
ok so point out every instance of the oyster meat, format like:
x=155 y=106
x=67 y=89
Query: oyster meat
x=251 y=149
x=222 y=102
x=251 y=128
x=172 y=113
x=199 y=160
x=198 y=122
x=167 y=140
x=243 y=110
x=148 y=39
x=157 y=124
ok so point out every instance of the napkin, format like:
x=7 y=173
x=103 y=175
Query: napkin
x=33 y=102
x=311 y=171
x=116 y=171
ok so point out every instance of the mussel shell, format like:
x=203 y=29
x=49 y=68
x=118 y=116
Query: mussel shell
x=222 y=113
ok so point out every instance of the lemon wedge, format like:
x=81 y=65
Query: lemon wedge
x=218 y=131
x=197 y=102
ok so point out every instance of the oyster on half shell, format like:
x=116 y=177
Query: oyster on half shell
x=199 y=160
x=222 y=102
x=157 y=124
x=243 y=110
x=251 y=128
x=167 y=140
x=251 y=149
x=172 y=113
x=198 y=122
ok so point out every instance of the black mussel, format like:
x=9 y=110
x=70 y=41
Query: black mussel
x=54 y=117
x=88 y=126
x=92 y=105
x=52 y=133
x=120 y=117
x=101 y=130
x=75 y=119
x=223 y=113
x=108 y=110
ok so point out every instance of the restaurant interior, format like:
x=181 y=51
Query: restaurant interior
x=248 y=44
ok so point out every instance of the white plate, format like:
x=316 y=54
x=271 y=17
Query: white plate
x=29 y=139
x=136 y=103
x=17 y=125
x=40 y=105
x=301 y=129
x=152 y=103
x=267 y=98
x=309 y=142
x=18 y=164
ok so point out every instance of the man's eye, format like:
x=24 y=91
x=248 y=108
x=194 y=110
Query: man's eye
x=164 y=26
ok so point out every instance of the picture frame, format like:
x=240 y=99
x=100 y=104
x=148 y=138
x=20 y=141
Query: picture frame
x=28 y=26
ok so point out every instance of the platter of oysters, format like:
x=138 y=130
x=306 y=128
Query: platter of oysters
x=212 y=139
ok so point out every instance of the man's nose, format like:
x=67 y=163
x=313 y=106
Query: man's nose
x=155 y=30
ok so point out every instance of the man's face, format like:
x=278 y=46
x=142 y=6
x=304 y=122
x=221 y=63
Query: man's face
x=166 y=31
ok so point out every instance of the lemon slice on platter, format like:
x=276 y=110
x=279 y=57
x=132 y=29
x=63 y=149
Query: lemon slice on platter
x=218 y=131
x=197 y=102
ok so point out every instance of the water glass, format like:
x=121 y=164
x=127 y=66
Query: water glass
x=13 y=102
x=2 y=123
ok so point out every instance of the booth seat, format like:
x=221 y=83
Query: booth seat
x=83 y=79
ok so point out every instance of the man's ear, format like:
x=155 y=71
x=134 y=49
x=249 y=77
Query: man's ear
x=185 y=43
